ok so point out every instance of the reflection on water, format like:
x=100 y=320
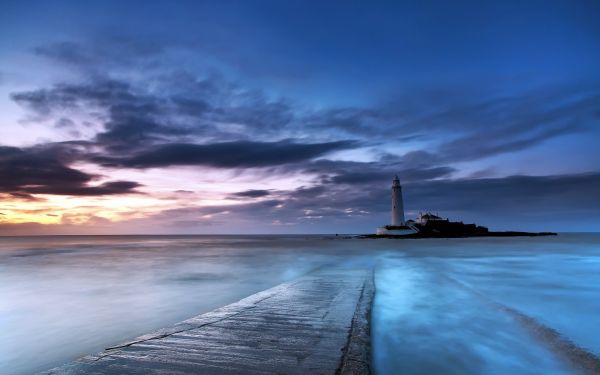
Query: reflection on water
x=64 y=297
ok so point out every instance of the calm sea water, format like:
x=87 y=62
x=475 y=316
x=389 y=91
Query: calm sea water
x=442 y=306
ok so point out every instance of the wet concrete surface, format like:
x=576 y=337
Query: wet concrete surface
x=317 y=324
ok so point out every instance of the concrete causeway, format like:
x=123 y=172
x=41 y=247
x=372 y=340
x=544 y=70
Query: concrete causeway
x=317 y=324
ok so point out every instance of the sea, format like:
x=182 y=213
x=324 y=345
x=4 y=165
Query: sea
x=522 y=305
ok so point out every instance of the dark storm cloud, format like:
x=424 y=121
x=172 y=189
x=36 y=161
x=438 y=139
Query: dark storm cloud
x=380 y=176
x=377 y=172
x=43 y=170
x=182 y=84
x=69 y=188
x=251 y=194
x=460 y=124
x=471 y=124
x=130 y=119
x=64 y=122
x=241 y=154
x=186 y=106
x=69 y=96
x=175 y=118
x=308 y=192
x=517 y=123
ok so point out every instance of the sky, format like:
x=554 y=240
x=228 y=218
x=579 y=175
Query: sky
x=227 y=117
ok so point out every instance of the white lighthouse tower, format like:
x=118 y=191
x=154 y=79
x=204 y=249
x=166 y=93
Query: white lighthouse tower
x=397 y=203
x=398 y=227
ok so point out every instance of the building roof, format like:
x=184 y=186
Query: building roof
x=429 y=216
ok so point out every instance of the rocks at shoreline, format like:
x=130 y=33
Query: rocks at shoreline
x=462 y=235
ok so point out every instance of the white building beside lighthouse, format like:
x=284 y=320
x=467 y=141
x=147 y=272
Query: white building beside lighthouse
x=398 y=227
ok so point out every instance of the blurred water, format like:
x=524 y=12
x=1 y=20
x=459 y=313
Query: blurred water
x=434 y=312
x=64 y=297
x=441 y=307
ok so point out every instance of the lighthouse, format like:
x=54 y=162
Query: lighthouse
x=397 y=203
x=398 y=227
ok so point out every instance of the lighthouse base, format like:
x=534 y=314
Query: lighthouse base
x=396 y=230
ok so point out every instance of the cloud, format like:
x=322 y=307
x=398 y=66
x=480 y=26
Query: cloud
x=379 y=172
x=185 y=106
x=251 y=194
x=468 y=124
x=240 y=154
x=514 y=202
x=107 y=188
x=544 y=118
x=129 y=118
x=178 y=107
x=173 y=118
x=379 y=176
x=43 y=170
